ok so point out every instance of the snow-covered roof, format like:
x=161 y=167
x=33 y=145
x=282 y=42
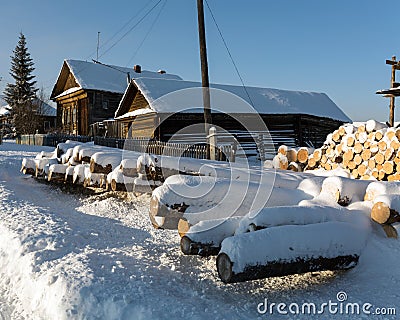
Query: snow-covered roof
x=135 y=113
x=96 y=76
x=2 y=101
x=4 y=110
x=158 y=93
x=69 y=91
x=47 y=110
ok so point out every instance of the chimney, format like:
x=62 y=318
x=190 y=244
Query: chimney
x=161 y=71
x=137 y=68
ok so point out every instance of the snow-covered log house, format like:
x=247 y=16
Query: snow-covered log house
x=87 y=92
x=158 y=108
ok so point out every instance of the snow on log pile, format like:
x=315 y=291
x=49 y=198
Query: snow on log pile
x=310 y=224
x=205 y=237
x=366 y=151
x=93 y=166
x=57 y=172
x=28 y=166
x=316 y=220
x=198 y=198
x=105 y=161
x=291 y=249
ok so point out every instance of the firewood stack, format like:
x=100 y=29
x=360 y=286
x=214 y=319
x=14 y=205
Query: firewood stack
x=366 y=151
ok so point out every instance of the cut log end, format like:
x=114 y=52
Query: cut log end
x=186 y=246
x=381 y=213
x=302 y=155
x=183 y=227
x=115 y=186
x=189 y=247
x=224 y=267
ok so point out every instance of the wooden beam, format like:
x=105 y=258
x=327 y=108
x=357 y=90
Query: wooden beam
x=391 y=62
x=392 y=99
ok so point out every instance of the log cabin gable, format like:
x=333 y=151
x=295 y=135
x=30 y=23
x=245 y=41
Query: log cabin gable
x=70 y=82
x=132 y=100
x=139 y=102
x=66 y=80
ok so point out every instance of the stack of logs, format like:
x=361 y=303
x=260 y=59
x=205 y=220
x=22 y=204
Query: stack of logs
x=366 y=151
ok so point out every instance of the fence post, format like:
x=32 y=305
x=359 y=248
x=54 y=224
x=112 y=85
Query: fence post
x=212 y=140
x=232 y=157
x=260 y=147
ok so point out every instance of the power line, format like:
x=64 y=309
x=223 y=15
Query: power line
x=115 y=34
x=130 y=30
x=123 y=36
x=148 y=33
x=120 y=29
x=230 y=55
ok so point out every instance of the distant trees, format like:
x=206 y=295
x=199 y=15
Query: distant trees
x=21 y=95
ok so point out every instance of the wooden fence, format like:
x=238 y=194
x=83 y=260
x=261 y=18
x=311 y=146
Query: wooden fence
x=50 y=140
x=195 y=150
x=229 y=147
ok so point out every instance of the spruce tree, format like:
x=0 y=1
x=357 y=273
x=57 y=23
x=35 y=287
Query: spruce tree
x=21 y=95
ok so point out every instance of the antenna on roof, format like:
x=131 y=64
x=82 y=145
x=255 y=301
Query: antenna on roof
x=98 y=44
x=108 y=66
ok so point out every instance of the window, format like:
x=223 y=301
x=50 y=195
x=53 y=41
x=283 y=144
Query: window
x=46 y=125
x=74 y=115
x=105 y=104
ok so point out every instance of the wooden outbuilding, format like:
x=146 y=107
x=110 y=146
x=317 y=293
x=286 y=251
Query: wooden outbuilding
x=158 y=109
x=87 y=92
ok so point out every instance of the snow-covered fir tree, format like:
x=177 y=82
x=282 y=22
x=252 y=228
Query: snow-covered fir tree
x=21 y=95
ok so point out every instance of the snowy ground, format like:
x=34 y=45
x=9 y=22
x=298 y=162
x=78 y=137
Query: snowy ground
x=72 y=256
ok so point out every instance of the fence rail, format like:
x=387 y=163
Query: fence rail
x=49 y=140
x=195 y=150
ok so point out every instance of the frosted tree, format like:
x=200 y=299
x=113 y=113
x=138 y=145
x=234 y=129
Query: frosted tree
x=21 y=95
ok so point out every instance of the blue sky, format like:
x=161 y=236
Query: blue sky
x=337 y=47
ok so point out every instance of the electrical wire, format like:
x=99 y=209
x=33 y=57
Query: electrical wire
x=130 y=30
x=230 y=55
x=147 y=34
x=124 y=35
x=120 y=29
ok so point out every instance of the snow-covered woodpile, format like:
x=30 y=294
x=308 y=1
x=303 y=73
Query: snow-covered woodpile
x=259 y=222
x=308 y=224
x=90 y=166
x=366 y=151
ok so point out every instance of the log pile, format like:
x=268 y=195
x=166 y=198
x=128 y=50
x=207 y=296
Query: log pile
x=368 y=151
x=80 y=164
x=290 y=249
x=222 y=211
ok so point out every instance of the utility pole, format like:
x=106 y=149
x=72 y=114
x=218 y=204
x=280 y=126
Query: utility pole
x=204 y=69
x=98 y=44
x=395 y=66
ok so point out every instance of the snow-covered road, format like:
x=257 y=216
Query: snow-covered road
x=71 y=256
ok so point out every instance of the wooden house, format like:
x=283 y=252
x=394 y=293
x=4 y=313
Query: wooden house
x=87 y=93
x=46 y=115
x=155 y=108
x=5 y=114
